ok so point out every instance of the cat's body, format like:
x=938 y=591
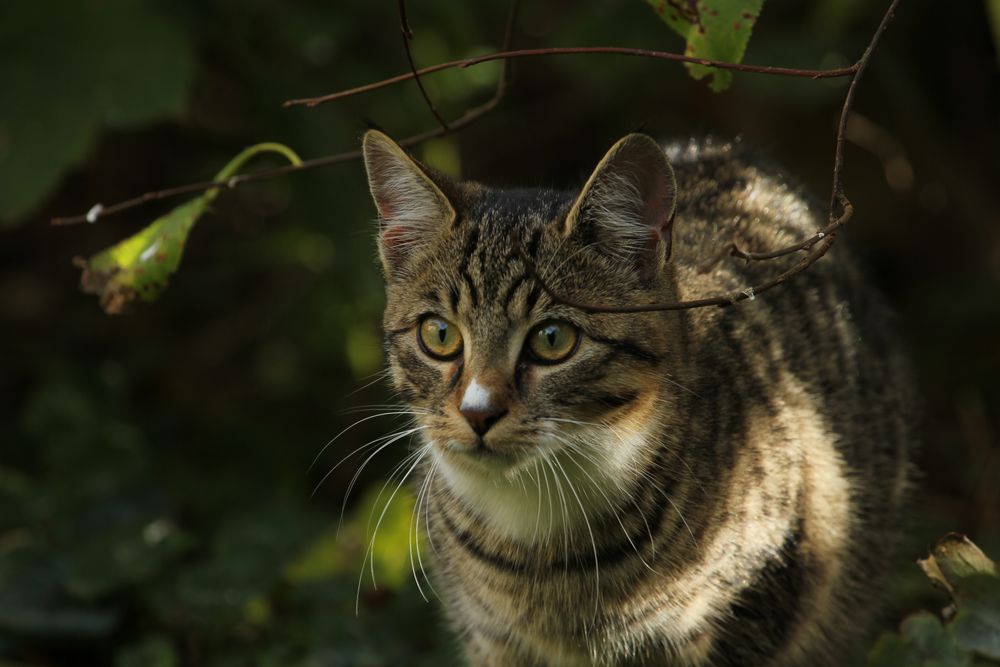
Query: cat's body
x=701 y=487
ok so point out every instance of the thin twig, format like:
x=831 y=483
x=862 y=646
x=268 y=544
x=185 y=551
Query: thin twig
x=837 y=195
x=819 y=244
x=404 y=28
x=467 y=118
x=723 y=300
x=841 y=211
x=575 y=51
x=838 y=163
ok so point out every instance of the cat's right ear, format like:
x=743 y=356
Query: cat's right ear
x=627 y=206
x=411 y=207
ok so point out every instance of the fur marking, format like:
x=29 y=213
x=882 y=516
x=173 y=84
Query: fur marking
x=476 y=397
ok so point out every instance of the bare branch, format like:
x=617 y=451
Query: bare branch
x=575 y=51
x=467 y=118
x=404 y=28
x=841 y=211
x=722 y=300
x=837 y=193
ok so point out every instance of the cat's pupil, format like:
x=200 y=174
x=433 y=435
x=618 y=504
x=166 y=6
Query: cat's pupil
x=442 y=331
x=550 y=335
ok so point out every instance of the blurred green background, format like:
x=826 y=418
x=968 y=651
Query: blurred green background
x=156 y=496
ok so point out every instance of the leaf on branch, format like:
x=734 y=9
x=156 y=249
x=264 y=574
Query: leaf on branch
x=141 y=265
x=713 y=29
x=954 y=558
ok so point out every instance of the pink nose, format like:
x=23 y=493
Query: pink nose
x=481 y=419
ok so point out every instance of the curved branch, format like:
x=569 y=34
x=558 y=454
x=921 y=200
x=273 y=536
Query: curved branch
x=819 y=243
x=722 y=300
x=575 y=51
x=862 y=64
x=467 y=118
x=404 y=28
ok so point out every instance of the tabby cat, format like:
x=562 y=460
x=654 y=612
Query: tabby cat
x=701 y=487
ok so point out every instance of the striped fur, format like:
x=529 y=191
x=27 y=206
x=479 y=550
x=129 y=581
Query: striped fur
x=706 y=487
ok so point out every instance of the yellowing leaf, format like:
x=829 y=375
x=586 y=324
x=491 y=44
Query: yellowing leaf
x=954 y=558
x=141 y=265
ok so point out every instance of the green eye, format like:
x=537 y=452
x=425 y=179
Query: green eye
x=553 y=341
x=439 y=338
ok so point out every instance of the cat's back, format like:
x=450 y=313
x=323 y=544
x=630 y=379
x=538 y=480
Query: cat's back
x=818 y=355
x=828 y=327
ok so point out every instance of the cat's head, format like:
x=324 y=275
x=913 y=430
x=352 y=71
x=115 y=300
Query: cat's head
x=496 y=371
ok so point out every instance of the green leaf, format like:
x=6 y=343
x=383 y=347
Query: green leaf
x=922 y=642
x=114 y=63
x=712 y=29
x=140 y=265
x=977 y=624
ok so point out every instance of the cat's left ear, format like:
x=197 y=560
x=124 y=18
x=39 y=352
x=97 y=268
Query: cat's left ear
x=627 y=205
x=412 y=209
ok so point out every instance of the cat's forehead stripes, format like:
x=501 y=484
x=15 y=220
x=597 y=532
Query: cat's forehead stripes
x=487 y=276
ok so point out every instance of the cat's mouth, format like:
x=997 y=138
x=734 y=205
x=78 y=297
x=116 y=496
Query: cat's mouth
x=481 y=456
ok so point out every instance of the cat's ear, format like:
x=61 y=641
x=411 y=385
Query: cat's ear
x=627 y=205
x=411 y=207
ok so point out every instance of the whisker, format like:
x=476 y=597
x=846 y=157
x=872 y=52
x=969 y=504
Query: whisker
x=389 y=480
x=666 y=376
x=378 y=375
x=414 y=530
x=593 y=542
x=371 y=545
x=370 y=443
x=653 y=438
x=382 y=406
x=565 y=509
x=645 y=474
x=427 y=505
x=393 y=413
x=395 y=437
x=538 y=488
x=572 y=449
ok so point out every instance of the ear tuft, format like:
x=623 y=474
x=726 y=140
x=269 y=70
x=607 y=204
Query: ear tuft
x=411 y=207
x=628 y=202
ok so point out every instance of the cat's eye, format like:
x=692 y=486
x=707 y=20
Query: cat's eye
x=439 y=338
x=553 y=341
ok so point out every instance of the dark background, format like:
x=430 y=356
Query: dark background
x=156 y=496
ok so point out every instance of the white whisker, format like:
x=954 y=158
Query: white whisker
x=395 y=412
x=593 y=542
x=395 y=437
x=370 y=552
x=571 y=449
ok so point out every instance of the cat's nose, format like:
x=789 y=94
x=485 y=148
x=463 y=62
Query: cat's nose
x=480 y=408
x=482 y=420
